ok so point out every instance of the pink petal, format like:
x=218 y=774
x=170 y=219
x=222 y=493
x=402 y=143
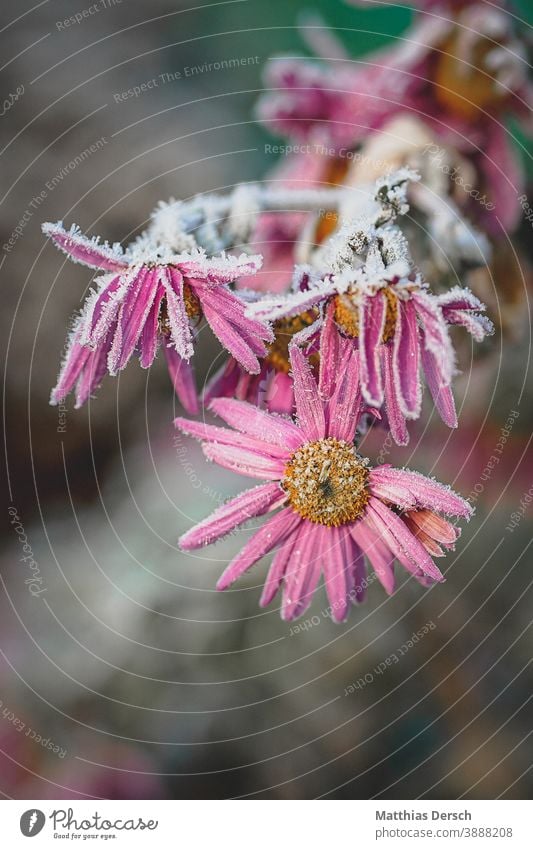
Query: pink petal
x=279 y=396
x=395 y=416
x=329 y=354
x=223 y=383
x=133 y=315
x=275 y=531
x=372 y=313
x=428 y=493
x=150 y=332
x=182 y=377
x=73 y=364
x=253 y=502
x=391 y=491
x=245 y=461
x=221 y=269
x=344 y=407
x=232 y=308
x=86 y=251
x=377 y=552
x=408 y=550
x=259 y=424
x=230 y=339
x=478 y=326
x=406 y=360
x=93 y=372
x=102 y=310
x=338 y=563
x=180 y=330
x=302 y=576
x=277 y=570
x=309 y=407
x=442 y=395
x=224 y=436
x=435 y=337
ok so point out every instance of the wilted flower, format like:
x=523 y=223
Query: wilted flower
x=335 y=510
x=151 y=296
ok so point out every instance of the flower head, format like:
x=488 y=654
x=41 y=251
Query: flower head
x=374 y=298
x=333 y=510
x=151 y=296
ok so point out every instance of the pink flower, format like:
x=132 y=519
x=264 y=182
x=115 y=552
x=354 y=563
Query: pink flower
x=460 y=69
x=333 y=510
x=399 y=327
x=151 y=296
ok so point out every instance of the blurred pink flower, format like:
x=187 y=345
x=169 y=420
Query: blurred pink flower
x=460 y=69
x=149 y=297
x=335 y=510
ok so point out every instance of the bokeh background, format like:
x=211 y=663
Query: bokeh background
x=128 y=676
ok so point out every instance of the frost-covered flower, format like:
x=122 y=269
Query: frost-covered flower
x=394 y=321
x=151 y=296
x=334 y=510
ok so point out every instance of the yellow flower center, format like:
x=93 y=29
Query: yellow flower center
x=284 y=330
x=326 y=482
x=347 y=314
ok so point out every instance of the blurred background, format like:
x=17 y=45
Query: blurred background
x=126 y=675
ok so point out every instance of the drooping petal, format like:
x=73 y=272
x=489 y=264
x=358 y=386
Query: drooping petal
x=93 y=372
x=372 y=313
x=182 y=377
x=309 y=407
x=133 y=315
x=232 y=308
x=442 y=395
x=150 y=332
x=231 y=339
x=75 y=359
x=89 y=252
x=395 y=417
x=479 y=326
x=253 y=502
x=275 y=531
x=102 y=308
x=406 y=360
x=436 y=338
x=180 y=330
